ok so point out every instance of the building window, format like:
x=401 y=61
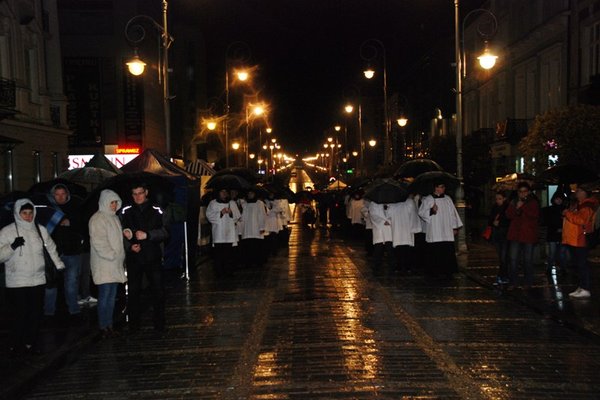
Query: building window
x=592 y=51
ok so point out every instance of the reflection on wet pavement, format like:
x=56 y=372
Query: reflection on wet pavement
x=317 y=324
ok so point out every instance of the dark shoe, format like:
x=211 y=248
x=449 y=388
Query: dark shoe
x=104 y=334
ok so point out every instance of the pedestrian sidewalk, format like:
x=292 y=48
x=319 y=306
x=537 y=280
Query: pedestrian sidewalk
x=550 y=293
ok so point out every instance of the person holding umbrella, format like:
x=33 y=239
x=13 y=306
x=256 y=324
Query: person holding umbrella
x=442 y=223
x=405 y=223
x=223 y=215
x=253 y=222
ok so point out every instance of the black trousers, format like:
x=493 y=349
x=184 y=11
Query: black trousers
x=27 y=307
x=441 y=259
x=254 y=252
x=405 y=257
x=379 y=249
x=223 y=258
x=135 y=279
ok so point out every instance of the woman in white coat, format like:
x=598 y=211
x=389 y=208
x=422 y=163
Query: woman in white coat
x=107 y=257
x=21 y=250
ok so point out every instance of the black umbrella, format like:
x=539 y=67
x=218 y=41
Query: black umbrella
x=568 y=173
x=246 y=173
x=414 y=168
x=425 y=183
x=44 y=187
x=387 y=191
x=219 y=182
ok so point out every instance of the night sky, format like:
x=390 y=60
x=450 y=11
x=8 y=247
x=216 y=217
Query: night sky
x=307 y=51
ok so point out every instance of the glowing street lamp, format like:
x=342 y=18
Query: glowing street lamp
x=369 y=73
x=242 y=75
x=235 y=145
x=349 y=108
x=269 y=130
x=487 y=60
x=402 y=121
x=372 y=142
x=337 y=128
x=136 y=66
x=211 y=125
x=355 y=153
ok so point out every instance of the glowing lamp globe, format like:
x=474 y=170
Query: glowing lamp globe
x=136 y=66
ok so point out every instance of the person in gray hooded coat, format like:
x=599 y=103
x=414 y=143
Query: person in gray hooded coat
x=107 y=257
x=21 y=250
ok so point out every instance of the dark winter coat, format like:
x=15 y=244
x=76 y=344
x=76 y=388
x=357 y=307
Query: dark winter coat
x=499 y=232
x=552 y=219
x=524 y=221
x=147 y=218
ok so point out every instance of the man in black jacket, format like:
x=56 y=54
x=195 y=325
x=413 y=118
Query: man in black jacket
x=68 y=236
x=144 y=231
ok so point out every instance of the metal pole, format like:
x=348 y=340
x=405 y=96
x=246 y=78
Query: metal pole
x=360 y=139
x=187 y=259
x=165 y=73
x=9 y=174
x=388 y=146
x=37 y=162
x=226 y=122
x=460 y=195
x=247 y=135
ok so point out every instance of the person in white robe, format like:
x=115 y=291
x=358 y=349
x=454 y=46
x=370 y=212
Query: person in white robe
x=284 y=218
x=272 y=223
x=355 y=216
x=382 y=234
x=223 y=214
x=405 y=223
x=253 y=222
x=441 y=226
x=368 y=233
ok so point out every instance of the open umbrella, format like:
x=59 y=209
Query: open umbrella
x=337 y=185
x=414 y=168
x=246 y=173
x=219 y=182
x=425 y=183
x=568 y=173
x=87 y=176
x=44 y=187
x=387 y=191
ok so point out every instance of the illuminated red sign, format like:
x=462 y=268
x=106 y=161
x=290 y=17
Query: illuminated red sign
x=128 y=150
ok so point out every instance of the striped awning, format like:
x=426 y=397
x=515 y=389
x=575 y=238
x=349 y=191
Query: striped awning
x=200 y=168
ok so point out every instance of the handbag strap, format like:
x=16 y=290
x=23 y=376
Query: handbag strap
x=37 y=227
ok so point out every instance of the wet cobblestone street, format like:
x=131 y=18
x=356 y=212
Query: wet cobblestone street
x=318 y=324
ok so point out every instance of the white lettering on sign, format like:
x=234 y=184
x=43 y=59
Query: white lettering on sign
x=79 y=161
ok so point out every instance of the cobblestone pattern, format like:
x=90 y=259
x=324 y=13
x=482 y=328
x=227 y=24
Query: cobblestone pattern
x=317 y=324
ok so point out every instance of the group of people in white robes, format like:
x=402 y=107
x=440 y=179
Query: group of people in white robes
x=245 y=230
x=391 y=228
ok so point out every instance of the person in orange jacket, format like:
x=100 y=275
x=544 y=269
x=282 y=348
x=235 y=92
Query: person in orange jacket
x=577 y=220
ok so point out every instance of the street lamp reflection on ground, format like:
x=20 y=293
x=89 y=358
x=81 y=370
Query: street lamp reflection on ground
x=486 y=31
x=135 y=33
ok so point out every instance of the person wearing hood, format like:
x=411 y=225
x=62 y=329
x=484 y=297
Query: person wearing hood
x=21 y=250
x=107 y=257
x=223 y=214
x=69 y=239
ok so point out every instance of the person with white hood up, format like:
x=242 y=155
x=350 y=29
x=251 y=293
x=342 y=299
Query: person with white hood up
x=21 y=250
x=107 y=257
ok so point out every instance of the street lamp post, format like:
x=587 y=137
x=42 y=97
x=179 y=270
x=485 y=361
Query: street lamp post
x=136 y=65
x=257 y=110
x=349 y=109
x=370 y=47
x=240 y=51
x=487 y=61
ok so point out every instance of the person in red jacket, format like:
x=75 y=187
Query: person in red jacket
x=523 y=213
x=578 y=220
